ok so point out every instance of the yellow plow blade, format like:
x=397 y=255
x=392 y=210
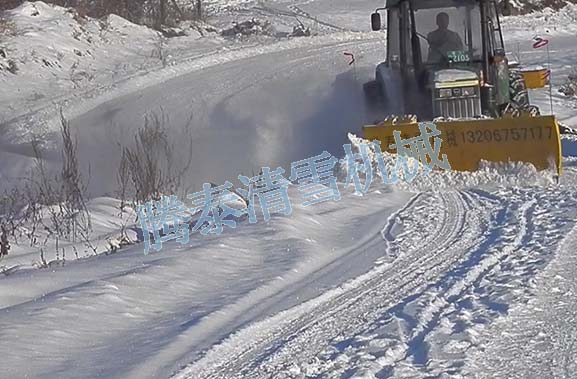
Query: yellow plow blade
x=534 y=140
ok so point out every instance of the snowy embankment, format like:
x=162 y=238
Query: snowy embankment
x=546 y=22
x=50 y=54
x=405 y=281
x=51 y=58
x=128 y=308
x=104 y=122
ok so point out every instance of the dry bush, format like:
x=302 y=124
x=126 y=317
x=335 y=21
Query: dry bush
x=153 y=13
x=63 y=197
x=4 y=243
x=50 y=207
x=149 y=166
x=73 y=190
x=11 y=216
x=123 y=177
x=72 y=184
x=9 y=4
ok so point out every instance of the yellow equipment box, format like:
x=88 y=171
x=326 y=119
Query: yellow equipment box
x=535 y=78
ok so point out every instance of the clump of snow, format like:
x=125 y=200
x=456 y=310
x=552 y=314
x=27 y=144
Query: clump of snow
x=219 y=6
x=394 y=173
x=301 y=31
x=489 y=174
x=250 y=27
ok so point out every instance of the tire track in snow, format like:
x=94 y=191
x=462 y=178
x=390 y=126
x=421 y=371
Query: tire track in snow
x=420 y=319
x=463 y=278
x=538 y=337
x=271 y=346
x=442 y=323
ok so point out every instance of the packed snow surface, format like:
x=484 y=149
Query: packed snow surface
x=452 y=275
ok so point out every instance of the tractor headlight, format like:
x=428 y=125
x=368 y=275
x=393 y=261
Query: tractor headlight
x=445 y=92
x=468 y=91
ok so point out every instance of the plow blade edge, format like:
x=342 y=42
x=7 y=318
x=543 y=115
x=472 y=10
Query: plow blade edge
x=533 y=140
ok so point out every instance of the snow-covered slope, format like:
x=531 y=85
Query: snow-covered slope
x=428 y=279
x=50 y=53
x=140 y=315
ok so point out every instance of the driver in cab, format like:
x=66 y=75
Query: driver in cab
x=442 y=40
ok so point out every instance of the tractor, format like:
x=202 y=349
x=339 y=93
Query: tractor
x=446 y=63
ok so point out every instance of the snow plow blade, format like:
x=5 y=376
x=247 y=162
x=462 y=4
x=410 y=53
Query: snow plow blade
x=528 y=139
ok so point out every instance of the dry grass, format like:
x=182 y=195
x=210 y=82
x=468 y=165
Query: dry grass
x=569 y=88
x=7 y=27
x=49 y=207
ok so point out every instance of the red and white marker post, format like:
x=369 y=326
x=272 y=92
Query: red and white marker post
x=539 y=42
x=351 y=57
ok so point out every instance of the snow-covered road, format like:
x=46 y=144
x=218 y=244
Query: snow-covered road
x=266 y=110
x=420 y=280
x=539 y=337
x=454 y=262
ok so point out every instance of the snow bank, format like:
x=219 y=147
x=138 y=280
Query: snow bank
x=51 y=52
x=110 y=229
x=547 y=21
x=490 y=175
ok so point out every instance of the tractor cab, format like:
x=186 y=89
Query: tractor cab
x=445 y=56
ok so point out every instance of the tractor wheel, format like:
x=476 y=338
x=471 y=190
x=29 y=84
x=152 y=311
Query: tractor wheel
x=518 y=91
